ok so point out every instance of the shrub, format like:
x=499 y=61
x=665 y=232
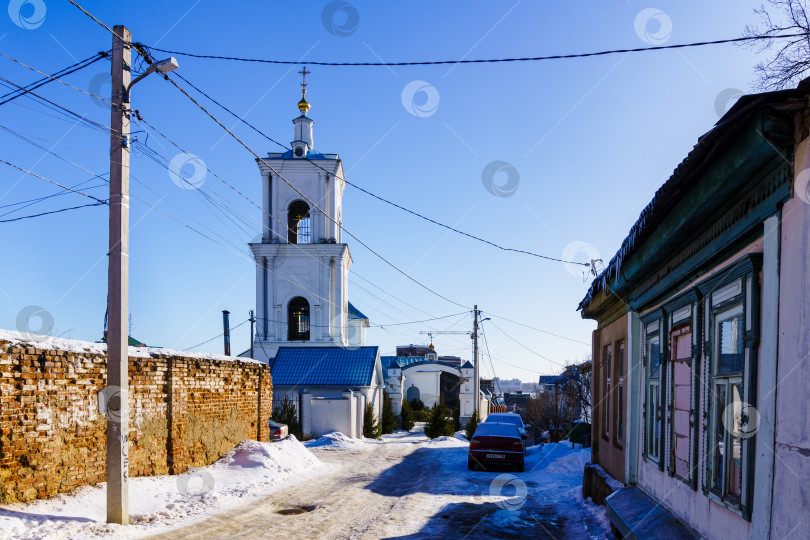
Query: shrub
x=472 y=424
x=285 y=412
x=422 y=416
x=389 y=419
x=438 y=424
x=406 y=416
x=371 y=428
x=417 y=405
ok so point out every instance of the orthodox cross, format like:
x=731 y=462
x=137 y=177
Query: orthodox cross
x=304 y=74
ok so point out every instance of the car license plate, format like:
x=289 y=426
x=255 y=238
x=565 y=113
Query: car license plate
x=495 y=456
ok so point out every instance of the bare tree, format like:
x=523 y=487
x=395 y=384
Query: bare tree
x=577 y=391
x=792 y=59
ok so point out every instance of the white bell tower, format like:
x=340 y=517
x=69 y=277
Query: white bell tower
x=302 y=264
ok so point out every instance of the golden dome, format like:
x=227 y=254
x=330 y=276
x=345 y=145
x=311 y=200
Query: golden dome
x=432 y=347
x=303 y=105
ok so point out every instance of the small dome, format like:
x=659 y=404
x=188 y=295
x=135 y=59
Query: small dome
x=303 y=106
x=432 y=348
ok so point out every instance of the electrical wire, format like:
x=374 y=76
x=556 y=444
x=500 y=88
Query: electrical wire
x=479 y=60
x=486 y=346
x=374 y=195
x=50 y=78
x=51 y=212
x=279 y=235
x=217 y=336
x=53 y=78
x=52 y=182
x=524 y=346
x=536 y=329
x=98 y=21
x=362 y=243
x=90 y=123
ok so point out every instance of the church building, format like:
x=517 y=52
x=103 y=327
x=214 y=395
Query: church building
x=308 y=332
x=302 y=263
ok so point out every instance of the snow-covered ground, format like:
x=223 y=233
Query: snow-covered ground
x=250 y=471
x=402 y=485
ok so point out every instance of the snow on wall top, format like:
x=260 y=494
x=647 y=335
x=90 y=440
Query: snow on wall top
x=88 y=347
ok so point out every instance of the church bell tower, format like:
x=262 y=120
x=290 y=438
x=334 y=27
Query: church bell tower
x=302 y=264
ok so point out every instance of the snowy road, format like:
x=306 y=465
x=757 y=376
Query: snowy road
x=408 y=487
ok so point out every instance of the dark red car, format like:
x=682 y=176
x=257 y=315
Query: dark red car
x=496 y=444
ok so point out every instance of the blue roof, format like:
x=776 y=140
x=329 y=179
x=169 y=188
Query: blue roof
x=354 y=313
x=311 y=154
x=323 y=366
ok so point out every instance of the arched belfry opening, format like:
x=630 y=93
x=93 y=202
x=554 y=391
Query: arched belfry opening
x=298 y=319
x=298 y=223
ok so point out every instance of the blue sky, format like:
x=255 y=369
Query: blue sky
x=588 y=141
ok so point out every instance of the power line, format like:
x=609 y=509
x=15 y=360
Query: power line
x=98 y=21
x=51 y=212
x=480 y=60
x=217 y=336
x=89 y=123
x=52 y=182
x=524 y=346
x=261 y=224
x=62 y=72
x=536 y=329
x=57 y=79
x=486 y=346
x=249 y=149
x=367 y=192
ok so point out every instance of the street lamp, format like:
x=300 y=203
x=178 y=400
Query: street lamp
x=164 y=66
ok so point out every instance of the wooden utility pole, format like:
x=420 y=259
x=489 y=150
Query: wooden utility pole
x=118 y=286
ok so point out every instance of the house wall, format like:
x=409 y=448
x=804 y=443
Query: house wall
x=608 y=452
x=708 y=517
x=791 y=453
x=185 y=411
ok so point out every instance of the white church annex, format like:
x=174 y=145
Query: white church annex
x=302 y=263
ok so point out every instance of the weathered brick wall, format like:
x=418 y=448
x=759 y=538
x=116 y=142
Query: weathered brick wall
x=185 y=412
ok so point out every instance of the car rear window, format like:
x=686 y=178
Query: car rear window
x=505 y=419
x=492 y=429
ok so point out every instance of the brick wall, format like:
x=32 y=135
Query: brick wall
x=185 y=411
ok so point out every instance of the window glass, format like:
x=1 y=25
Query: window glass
x=719 y=437
x=620 y=397
x=655 y=358
x=731 y=345
x=735 y=446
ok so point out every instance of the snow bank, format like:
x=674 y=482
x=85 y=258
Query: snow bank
x=448 y=441
x=461 y=435
x=569 y=464
x=159 y=503
x=335 y=441
x=89 y=347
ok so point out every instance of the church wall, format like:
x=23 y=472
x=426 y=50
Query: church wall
x=185 y=411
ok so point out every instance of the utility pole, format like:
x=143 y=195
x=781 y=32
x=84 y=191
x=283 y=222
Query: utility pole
x=226 y=331
x=252 y=320
x=477 y=385
x=118 y=285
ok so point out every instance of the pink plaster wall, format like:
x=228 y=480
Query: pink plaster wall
x=791 y=498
